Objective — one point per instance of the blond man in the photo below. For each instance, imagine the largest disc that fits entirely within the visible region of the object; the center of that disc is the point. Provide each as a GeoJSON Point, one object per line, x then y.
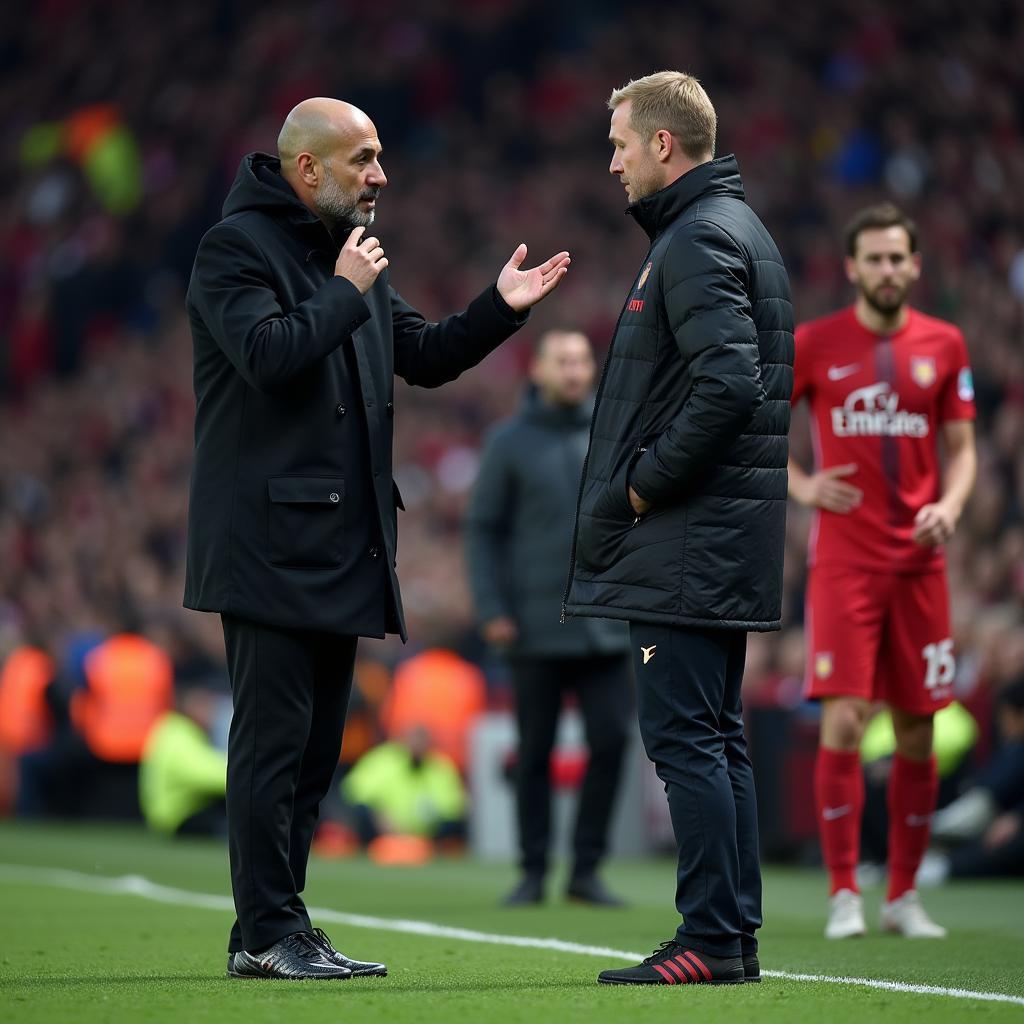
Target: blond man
{"type": "Point", "coordinates": [682, 507]}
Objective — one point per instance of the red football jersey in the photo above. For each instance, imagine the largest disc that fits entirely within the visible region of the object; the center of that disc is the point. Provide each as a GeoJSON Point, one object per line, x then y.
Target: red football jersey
{"type": "Point", "coordinates": [878, 401]}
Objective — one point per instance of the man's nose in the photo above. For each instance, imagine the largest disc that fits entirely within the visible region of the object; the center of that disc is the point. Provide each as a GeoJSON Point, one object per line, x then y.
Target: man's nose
{"type": "Point", "coordinates": [615, 167]}
{"type": "Point", "coordinates": [377, 177]}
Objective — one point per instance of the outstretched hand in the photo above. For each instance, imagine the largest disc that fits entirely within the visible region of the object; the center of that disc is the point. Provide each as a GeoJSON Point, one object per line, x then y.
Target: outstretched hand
{"type": "Point", "coordinates": [522, 289]}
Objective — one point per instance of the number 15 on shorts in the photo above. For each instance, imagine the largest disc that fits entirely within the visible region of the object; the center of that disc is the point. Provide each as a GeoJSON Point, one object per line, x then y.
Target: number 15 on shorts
{"type": "Point", "coordinates": [940, 664]}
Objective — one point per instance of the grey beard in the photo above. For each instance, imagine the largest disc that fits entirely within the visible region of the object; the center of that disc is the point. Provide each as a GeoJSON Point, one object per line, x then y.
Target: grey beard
{"type": "Point", "coordinates": [339, 209]}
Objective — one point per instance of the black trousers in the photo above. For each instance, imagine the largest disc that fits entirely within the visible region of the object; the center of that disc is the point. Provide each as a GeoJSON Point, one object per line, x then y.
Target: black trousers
{"type": "Point", "coordinates": [688, 695]}
{"type": "Point", "coordinates": [605, 696]}
{"type": "Point", "coordinates": [290, 691]}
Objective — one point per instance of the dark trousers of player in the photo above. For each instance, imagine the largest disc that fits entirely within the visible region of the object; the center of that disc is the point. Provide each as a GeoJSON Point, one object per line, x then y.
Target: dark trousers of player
{"type": "Point", "coordinates": [290, 691]}
{"type": "Point", "coordinates": [688, 697]}
{"type": "Point", "coordinates": [605, 695]}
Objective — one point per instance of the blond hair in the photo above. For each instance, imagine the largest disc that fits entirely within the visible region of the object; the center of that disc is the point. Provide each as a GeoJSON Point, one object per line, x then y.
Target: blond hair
{"type": "Point", "coordinates": [675, 102]}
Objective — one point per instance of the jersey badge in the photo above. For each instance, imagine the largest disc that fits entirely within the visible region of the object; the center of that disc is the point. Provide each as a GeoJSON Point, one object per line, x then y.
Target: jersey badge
{"type": "Point", "coordinates": [823, 664]}
{"type": "Point", "coordinates": [965, 385]}
{"type": "Point", "coordinates": [922, 369]}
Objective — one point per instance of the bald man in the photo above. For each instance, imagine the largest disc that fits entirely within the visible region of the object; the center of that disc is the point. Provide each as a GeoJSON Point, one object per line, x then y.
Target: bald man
{"type": "Point", "coordinates": [292, 525]}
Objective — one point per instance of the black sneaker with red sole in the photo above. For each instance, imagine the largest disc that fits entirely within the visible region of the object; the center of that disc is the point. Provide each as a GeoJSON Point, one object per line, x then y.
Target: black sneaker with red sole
{"type": "Point", "coordinates": [673, 964]}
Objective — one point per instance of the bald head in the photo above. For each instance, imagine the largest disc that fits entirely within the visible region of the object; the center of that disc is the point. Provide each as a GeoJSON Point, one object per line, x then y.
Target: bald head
{"type": "Point", "coordinates": [317, 125]}
{"type": "Point", "coordinates": [330, 155]}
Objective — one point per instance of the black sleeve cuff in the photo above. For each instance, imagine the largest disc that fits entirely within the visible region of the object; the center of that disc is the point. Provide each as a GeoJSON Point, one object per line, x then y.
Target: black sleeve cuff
{"type": "Point", "coordinates": [506, 311]}
{"type": "Point", "coordinates": [354, 309]}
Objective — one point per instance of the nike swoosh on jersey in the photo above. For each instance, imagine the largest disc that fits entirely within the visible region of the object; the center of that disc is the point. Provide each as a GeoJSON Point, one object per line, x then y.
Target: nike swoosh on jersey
{"type": "Point", "coordinates": [831, 813]}
{"type": "Point", "coordinates": [841, 372]}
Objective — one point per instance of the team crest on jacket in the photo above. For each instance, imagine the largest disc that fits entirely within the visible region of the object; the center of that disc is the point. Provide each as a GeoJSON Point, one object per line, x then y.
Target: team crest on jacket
{"type": "Point", "coordinates": [922, 369]}
{"type": "Point", "coordinates": [823, 664]}
{"type": "Point", "coordinates": [636, 305]}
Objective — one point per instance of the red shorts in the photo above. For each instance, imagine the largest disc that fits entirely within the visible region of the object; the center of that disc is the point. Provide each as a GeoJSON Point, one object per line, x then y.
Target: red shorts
{"type": "Point", "coordinates": [879, 636]}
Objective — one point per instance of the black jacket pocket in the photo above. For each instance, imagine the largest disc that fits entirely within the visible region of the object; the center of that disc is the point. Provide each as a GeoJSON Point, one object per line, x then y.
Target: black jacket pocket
{"type": "Point", "coordinates": [306, 522]}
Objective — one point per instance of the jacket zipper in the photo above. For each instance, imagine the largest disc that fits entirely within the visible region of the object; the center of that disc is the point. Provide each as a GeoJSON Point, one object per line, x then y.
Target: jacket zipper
{"type": "Point", "coordinates": [590, 438]}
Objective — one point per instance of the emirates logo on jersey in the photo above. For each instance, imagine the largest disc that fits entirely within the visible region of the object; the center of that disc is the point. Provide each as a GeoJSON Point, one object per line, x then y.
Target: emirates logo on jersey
{"type": "Point", "coordinates": [874, 412]}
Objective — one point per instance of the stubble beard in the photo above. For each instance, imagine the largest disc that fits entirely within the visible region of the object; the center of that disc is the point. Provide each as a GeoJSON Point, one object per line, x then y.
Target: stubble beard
{"type": "Point", "coordinates": [646, 181]}
{"type": "Point", "coordinates": [888, 308]}
{"type": "Point", "coordinates": [340, 208]}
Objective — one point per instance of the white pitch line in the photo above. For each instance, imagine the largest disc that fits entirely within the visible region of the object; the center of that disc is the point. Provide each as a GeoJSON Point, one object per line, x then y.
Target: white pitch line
{"type": "Point", "coordinates": [137, 885]}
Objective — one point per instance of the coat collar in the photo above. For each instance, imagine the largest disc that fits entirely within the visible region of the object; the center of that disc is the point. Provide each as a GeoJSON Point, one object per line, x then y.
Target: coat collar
{"type": "Point", "coordinates": [719, 177]}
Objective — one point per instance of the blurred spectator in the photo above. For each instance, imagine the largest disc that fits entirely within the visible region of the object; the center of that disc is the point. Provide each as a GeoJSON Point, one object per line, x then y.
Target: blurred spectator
{"type": "Point", "coordinates": [999, 786]}
{"type": "Point", "coordinates": [182, 775]}
{"type": "Point", "coordinates": [988, 819]}
{"type": "Point", "coordinates": [26, 725]}
{"type": "Point", "coordinates": [407, 788]}
{"type": "Point", "coordinates": [440, 691]}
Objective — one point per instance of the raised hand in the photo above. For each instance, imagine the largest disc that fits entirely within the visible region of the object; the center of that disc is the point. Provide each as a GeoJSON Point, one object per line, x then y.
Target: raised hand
{"type": "Point", "coordinates": [360, 260]}
{"type": "Point", "coordinates": [522, 289]}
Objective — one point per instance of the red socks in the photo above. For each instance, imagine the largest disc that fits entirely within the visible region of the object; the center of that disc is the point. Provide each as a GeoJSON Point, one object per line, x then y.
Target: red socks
{"type": "Point", "coordinates": [839, 795]}
{"type": "Point", "coordinates": [913, 791]}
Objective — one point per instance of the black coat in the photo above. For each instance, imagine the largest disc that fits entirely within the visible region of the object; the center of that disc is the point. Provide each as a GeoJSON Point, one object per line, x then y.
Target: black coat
{"type": "Point", "coordinates": [292, 511]}
{"type": "Point", "coordinates": [693, 411]}
{"type": "Point", "coordinates": [519, 530]}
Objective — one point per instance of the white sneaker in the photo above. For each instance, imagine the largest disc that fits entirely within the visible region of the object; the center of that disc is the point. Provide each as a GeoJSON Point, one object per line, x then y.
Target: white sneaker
{"type": "Point", "coordinates": [845, 916]}
{"type": "Point", "coordinates": [908, 918]}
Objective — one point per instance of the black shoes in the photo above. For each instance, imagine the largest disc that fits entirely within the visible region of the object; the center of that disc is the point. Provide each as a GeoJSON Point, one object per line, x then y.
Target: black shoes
{"type": "Point", "coordinates": [296, 957]}
{"type": "Point", "coordinates": [358, 968]}
{"type": "Point", "coordinates": [590, 889]}
{"type": "Point", "coordinates": [301, 956]}
{"type": "Point", "coordinates": [751, 967]}
{"type": "Point", "coordinates": [672, 964]}
{"type": "Point", "coordinates": [529, 890]}
{"type": "Point", "coordinates": [582, 889]}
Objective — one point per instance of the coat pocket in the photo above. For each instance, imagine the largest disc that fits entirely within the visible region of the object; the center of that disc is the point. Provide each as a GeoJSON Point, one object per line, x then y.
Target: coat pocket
{"type": "Point", "coordinates": [305, 525]}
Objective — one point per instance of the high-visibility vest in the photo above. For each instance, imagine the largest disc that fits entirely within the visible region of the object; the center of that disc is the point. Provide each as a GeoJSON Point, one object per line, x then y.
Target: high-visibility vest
{"type": "Point", "coordinates": [26, 723]}
{"type": "Point", "coordinates": [129, 685]}
{"type": "Point", "coordinates": [441, 691]}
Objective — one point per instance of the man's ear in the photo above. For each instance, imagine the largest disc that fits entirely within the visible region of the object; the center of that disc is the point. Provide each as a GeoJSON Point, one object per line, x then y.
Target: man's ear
{"type": "Point", "coordinates": [663, 145]}
{"type": "Point", "coordinates": [307, 169]}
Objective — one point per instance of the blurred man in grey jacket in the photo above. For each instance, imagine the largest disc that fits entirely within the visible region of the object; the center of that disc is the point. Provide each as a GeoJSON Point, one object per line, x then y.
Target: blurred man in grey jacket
{"type": "Point", "coordinates": [519, 531]}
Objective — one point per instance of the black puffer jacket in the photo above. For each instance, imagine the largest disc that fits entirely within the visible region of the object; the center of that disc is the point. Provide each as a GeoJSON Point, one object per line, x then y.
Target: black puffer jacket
{"type": "Point", "coordinates": [693, 411]}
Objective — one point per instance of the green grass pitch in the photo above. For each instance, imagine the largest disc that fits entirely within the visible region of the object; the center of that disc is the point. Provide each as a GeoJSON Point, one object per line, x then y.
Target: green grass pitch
{"type": "Point", "coordinates": [71, 954]}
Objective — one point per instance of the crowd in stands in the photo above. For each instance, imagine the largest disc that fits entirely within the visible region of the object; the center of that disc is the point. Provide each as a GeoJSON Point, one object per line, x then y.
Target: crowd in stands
{"type": "Point", "coordinates": [122, 132]}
